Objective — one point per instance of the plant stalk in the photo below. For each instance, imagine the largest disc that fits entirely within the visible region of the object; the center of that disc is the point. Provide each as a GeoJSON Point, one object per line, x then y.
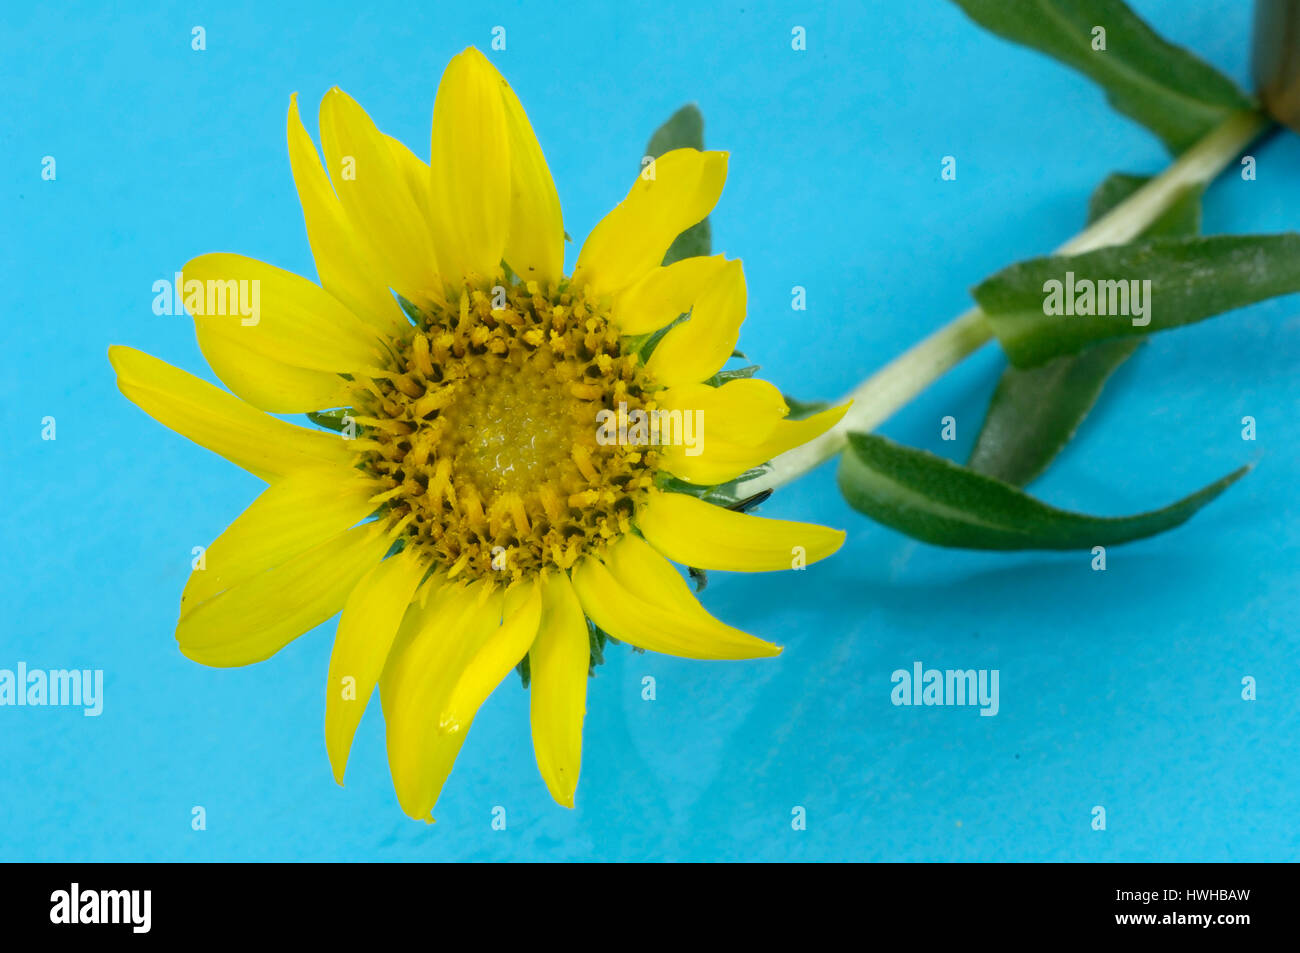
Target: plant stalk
{"type": "Point", "coordinates": [896, 384]}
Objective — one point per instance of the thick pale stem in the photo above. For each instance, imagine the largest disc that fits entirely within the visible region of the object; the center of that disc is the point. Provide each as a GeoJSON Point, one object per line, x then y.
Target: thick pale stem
{"type": "Point", "coordinates": [892, 387]}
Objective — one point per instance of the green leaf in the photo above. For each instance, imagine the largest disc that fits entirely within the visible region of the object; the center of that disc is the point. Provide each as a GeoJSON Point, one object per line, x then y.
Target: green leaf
{"type": "Point", "coordinates": [1035, 411]}
{"type": "Point", "coordinates": [1182, 218]}
{"type": "Point", "coordinates": [1172, 92]}
{"type": "Point", "coordinates": [940, 502]}
{"type": "Point", "coordinates": [1180, 280]}
{"type": "Point", "coordinates": [683, 130]}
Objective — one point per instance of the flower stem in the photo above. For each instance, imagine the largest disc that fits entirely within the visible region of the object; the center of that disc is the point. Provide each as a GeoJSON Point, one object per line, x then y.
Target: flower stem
{"type": "Point", "coordinates": [892, 387]}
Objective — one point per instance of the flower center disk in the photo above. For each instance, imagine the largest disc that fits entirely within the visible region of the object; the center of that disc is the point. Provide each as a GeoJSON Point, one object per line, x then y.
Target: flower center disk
{"type": "Point", "coordinates": [482, 432]}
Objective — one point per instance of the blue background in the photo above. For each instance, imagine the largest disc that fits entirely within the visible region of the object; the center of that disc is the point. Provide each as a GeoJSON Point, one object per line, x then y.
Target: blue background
{"type": "Point", "coordinates": [1118, 688]}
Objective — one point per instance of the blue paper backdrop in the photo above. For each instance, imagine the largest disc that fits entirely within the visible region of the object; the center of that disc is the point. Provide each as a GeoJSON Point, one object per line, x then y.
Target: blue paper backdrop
{"type": "Point", "coordinates": [1119, 688]}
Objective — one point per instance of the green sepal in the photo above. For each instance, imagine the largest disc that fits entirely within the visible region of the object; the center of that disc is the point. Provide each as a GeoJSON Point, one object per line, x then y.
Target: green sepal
{"type": "Point", "coordinates": [331, 419]}
{"type": "Point", "coordinates": [800, 409]}
{"type": "Point", "coordinates": [735, 374]}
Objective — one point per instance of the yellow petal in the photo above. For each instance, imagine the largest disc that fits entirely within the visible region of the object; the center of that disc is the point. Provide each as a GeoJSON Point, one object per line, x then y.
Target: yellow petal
{"type": "Point", "coordinates": [669, 196]}
{"type": "Point", "coordinates": [789, 434]}
{"type": "Point", "coordinates": [366, 632]}
{"type": "Point", "coordinates": [290, 517]}
{"type": "Point", "coordinates": [743, 411]}
{"type": "Point", "coordinates": [422, 670]}
{"type": "Point", "coordinates": [416, 676]}
{"type": "Point", "coordinates": [418, 669]}
{"type": "Point", "coordinates": [437, 679]}
{"type": "Point", "coordinates": [496, 656]}
{"type": "Point", "coordinates": [738, 426]}
{"type": "Point", "coordinates": [651, 578]}
{"type": "Point", "coordinates": [431, 596]}
{"type": "Point", "coordinates": [287, 356]}
{"type": "Point", "coordinates": [664, 624]}
{"type": "Point", "coordinates": [384, 214]}
{"type": "Point", "coordinates": [267, 383]}
{"type": "Point", "coordinates": [415, 172]}
{"type": "Point", "coordinates": [695, 533]}
{"type": "Point", "coordinates": [665, 293]}
{"type": "Point", "coordinates": [255, 619]}
{"type": "Point", "coordinates": [558, 662]}
{"type": "Point", "coordinates": [297, 321]}
{"type": "Point", "coordinates": [344, 264]}
{"type": "Point", "coordinates": [263, 445]}
{"type": "Point", "coordinates": [470, 169]}
{"type": "Point", "coordinates": [697, 348]}
{"type": "Point", "coordinates": [535, 243]}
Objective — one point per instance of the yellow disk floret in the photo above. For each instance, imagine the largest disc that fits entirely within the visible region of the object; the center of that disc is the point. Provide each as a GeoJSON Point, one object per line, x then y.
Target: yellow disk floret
{"type": "Point", "coordinates": [483, 432]}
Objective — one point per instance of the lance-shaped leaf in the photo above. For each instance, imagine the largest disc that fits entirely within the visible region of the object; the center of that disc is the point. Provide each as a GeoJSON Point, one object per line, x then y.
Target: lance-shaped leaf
{"type": "Point", "coordinates": [1035, 411]}
{"type": "Point", "coordinates": [1181, 219]}
{"type": "Point", "coordinates": [1175, 94]}
{"type": "Point", "coordinates": [1039, 309]}
{"type": "Point", "coordinates": [683, 130]}
{"type": "Point", "coordinates": [939, 502]}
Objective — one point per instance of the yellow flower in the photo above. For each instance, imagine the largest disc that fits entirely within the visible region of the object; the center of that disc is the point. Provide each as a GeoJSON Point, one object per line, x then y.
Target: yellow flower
{"type": "Point", "coordinates": [469, 513]}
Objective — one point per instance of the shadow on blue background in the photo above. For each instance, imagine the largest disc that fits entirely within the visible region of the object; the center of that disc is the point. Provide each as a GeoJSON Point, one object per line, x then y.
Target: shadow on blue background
{"type": "Point", "coordinates": [1119, 689]}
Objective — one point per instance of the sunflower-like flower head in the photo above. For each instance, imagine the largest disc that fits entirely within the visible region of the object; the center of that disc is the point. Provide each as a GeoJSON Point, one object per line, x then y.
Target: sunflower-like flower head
{"type": "Point", "coordinates": [503, 477]}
